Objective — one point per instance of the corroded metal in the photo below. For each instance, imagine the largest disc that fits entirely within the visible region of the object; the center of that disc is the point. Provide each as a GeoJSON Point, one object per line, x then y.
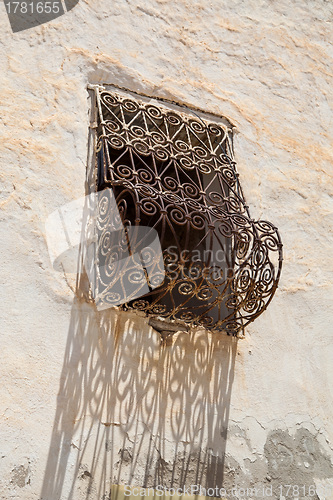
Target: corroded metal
{"type": "Point", "coordinates": [176, 173]}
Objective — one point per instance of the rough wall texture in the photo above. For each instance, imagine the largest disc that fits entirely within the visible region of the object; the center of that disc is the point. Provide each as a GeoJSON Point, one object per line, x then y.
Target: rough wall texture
{"type": "Point", "coordinates": [92, 399]}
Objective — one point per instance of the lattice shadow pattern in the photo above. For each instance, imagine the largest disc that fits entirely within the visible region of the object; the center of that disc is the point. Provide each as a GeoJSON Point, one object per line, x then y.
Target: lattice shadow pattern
{"type": "Point", "coordinates": [176, 174]}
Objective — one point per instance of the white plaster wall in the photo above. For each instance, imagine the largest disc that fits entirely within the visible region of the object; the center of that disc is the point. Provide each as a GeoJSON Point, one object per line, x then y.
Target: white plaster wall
{"type": "Point", "coordinates": [267, 66]}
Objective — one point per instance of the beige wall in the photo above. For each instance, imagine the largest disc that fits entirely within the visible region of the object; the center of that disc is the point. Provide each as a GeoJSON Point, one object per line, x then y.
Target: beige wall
{"type": "Point", "coordinates": [89, 399]}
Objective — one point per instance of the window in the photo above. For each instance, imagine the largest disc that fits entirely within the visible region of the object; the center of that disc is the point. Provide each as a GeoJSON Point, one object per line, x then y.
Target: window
{"type": "Point", "coordinates": [174, 171]}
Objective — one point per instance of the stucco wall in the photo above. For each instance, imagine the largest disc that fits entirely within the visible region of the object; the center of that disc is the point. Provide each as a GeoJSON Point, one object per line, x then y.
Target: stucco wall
{"type": "Point", "coordinates": [89, 399]}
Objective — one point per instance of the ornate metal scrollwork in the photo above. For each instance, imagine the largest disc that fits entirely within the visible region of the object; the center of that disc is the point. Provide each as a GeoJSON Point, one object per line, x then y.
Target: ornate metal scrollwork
{"type": "Point", "coordinates": [176, 174]}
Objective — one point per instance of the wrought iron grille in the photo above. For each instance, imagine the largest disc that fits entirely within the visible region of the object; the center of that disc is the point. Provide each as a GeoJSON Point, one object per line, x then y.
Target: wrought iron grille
{"type": "Point", "coordinates": [176, 173]}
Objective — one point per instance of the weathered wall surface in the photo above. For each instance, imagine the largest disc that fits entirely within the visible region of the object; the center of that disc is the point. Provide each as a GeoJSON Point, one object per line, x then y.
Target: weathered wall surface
{"type": "Point", "coordinates": [92, 399]}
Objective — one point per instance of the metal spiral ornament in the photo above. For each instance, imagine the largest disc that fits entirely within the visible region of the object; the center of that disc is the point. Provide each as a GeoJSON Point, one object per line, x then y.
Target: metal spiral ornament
{"type": "Point", "coordinates": [177, 174]}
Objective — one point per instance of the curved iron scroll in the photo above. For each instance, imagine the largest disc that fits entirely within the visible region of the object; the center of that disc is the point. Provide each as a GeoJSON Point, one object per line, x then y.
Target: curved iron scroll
{"type": "Point", "coordinates": [176, 173]}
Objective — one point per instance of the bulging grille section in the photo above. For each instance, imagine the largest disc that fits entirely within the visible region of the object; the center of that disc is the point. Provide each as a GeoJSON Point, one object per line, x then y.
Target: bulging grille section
{"type": "Point", "coordinates": [175, 172]}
